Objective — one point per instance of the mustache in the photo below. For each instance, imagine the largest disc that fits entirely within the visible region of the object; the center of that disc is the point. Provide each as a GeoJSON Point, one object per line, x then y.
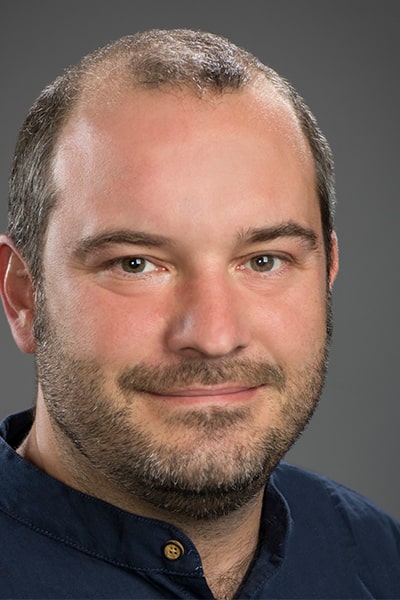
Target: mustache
{"type": "Point", "coordinates": [165, 378]}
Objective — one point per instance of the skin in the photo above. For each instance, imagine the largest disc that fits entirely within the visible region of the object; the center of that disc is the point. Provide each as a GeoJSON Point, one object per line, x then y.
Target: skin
{"type": "Point", "coordinates": [213, 177]}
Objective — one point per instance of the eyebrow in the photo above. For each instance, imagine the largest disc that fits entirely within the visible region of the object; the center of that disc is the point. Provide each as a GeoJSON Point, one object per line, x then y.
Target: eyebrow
{"type": "Point", "coordinates": [283, 230]}
{"type": "Point", "coordinates": [97, 242]}
{"type": "Point", "coordinates": [93, 243]}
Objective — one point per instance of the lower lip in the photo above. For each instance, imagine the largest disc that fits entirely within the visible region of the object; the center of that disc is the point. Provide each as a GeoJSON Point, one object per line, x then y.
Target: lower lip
{"type": "Point", "coordinates": [215, 398]}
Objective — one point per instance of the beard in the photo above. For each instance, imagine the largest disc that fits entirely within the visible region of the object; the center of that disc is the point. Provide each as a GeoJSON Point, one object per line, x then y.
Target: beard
{"type": "Point", "coordinates": [210, 461]}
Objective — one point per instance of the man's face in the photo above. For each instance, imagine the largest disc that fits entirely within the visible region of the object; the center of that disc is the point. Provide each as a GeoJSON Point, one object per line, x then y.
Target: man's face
{"type": "Point", "coordinates": [186, 294]}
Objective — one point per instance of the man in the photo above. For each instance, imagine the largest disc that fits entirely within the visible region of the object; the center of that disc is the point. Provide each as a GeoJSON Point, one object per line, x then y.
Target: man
{"type": "Point", "coordinates": [169, 260]}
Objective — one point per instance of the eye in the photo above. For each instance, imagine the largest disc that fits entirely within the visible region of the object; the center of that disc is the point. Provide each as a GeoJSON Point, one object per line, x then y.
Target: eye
{"type": "Point", "coordinates": [136, 264]}
{"type": "Point", "coordinates": [265, 263]}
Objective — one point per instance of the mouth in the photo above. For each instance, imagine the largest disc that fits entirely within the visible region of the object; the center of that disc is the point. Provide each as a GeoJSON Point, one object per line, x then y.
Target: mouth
{"type": "Point", "coordinates": [209, 395]}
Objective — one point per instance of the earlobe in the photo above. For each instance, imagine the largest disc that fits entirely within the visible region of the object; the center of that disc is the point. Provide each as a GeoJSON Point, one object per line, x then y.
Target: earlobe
{"type": "Point", "coordinates": [334, 264]}
{"type": "Point", "coordinates": [17, 295]}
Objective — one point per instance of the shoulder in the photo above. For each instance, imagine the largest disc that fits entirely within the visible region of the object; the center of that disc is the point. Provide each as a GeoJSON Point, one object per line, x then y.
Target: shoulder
{"type": "Point", "coordinates": [298, 485]}
{"type": "Point", "coordinates": [333, 514]}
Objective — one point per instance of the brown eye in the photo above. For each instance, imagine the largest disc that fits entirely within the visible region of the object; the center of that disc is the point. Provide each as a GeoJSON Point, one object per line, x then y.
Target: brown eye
{"type": "Point", "coordinates": [136, 264]}
{"type": "Point", "coordinates": [264, 263]}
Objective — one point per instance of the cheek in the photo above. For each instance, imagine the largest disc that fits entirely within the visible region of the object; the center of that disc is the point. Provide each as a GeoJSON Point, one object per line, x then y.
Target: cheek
{"type": "Point", "coordinates": [293, 326]}
{"type": "Point", "coordinates": [107, 327]}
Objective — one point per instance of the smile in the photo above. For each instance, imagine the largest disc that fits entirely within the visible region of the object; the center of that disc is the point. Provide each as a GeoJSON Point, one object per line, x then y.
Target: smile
{"type": "Point", "coordinates": [213, 395]}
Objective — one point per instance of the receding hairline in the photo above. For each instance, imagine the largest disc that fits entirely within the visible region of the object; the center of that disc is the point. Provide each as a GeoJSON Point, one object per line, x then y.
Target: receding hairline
{"type": "Point", "coordinates": [177, 61]}
{"type": "Point", "coordinates": [196, 62]}
{"type": "Point", "coordinates": [176, 56]}
{"type": "Point", "coordinates": [109, 84]}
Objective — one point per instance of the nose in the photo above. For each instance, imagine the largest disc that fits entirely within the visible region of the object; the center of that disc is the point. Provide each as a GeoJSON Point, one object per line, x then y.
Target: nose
{"type": "Point", "coordinates": [210, 319]}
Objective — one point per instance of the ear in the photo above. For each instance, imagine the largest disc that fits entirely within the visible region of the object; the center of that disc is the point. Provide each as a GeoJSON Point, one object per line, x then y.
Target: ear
{"type": "Point", "coordinates": [16, 291]}
{"type": "Point", "coordinates": [334, 267]}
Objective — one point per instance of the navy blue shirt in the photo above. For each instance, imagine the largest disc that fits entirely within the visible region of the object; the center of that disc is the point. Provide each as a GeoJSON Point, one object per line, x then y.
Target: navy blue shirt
{"type": "Point", "coordinates": [317, 540]}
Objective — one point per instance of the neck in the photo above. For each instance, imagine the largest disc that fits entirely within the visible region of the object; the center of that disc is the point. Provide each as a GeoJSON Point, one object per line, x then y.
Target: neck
{"type": "Point", "coordinates": [227, 547]}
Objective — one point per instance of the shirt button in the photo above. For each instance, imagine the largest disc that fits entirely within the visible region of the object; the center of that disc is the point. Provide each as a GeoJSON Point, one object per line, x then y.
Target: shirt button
{"type": "Point", "coordinates": [173, 550]}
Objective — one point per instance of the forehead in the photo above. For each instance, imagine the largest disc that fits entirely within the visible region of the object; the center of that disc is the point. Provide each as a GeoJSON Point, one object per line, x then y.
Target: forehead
{"type": "Point", "coordinates": [178, 148]}
{"type": "Point", "coordinates": [153, 116]}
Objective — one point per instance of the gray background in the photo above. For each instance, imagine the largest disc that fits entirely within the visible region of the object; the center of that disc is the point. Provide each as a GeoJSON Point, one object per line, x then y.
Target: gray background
{"type": "Point", "coordinates": [343, 56]}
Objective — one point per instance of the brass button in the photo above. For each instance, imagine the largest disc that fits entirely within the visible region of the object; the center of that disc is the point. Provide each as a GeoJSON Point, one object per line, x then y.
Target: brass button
{"type": "Point", "coordinates": [173, 550]}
